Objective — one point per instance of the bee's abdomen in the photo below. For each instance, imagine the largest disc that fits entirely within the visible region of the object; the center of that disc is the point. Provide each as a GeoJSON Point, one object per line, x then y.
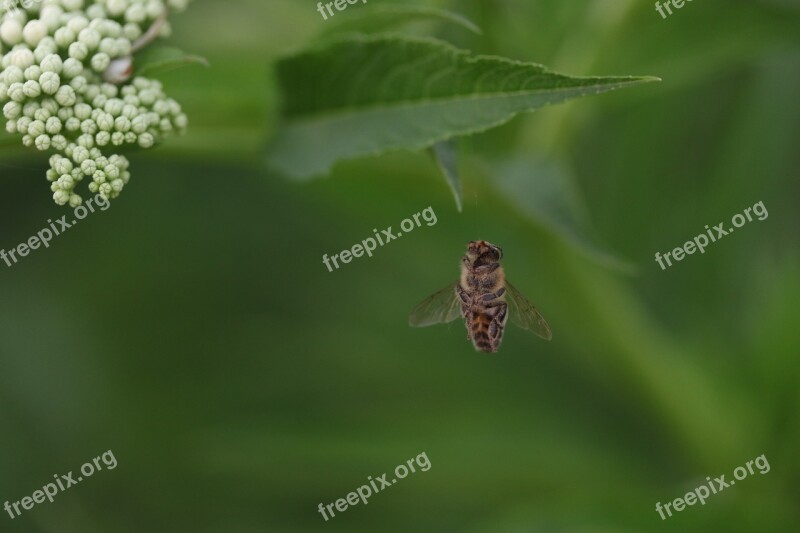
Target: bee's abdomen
{"type": "Point", "coordinates": [485, 332]}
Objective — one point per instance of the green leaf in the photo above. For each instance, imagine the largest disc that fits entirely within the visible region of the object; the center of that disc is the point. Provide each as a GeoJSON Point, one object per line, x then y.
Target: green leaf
{"type": "Point", "coordinates": [545, 191]}
{"type": "Point", "coordinates": [363, 96]}
{"type": "Point", "coordinates": [446, 155]}
{"type": "Point", "coordinates": [154, 60]}
{"type": "Point", "coordinates": [387, 16]}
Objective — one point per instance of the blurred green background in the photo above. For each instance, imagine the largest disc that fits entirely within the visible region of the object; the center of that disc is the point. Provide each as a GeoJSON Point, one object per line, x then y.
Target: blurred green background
{"type": "Point", "coordinates": [193, 329]}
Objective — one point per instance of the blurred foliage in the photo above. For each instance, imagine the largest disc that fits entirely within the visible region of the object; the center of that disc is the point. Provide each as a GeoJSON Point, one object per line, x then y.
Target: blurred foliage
{"type": "Point", "coordinates": [193, 329]}
{"type": "Point", "coordinates": [376, 93]}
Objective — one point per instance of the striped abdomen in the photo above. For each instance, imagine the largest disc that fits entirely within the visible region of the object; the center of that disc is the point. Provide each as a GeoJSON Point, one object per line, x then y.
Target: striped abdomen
{"type": "Point", "coordinates": [485, 326]}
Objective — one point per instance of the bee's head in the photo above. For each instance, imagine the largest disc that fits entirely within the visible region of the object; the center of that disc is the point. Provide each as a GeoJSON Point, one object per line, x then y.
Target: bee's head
{"type": "Point", "coordinates": [484, 250]}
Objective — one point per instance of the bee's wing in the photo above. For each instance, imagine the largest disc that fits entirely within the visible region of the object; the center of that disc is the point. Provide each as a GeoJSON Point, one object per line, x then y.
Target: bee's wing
{"type": "Point", "coordinates": [438, 308]}
{"type": "Point", "coordinates": [525, 315]}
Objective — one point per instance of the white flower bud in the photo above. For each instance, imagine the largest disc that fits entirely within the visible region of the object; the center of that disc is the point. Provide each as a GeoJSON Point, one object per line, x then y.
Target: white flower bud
{"type": "Point", "coordinates": [42, 114]}
{"type": "Point", "coordinates": [53, 126]}
{"type": "Point", "coordinates": [14, 74]}
{"type": "Point", "coordinates": [110, 90]}
{"type": "Point", "coordinates": [50, 82]}
{"type": "Point", "coordinates": [36, 128]}
{"type": "Point", "coordinates": [132, 31]}
{"type": "Point", "coordinates": [12, 110]}
{"type": "Point", "coordinates": [89, 127]}
{"type": "Point", "coordinates": [90, 38]}
{"type": "Point", "coordinates": [32, 89]}
{"type": "Point", "coordinates": [33, 72]}
{"type": "Point", "coordinates": [78, 23]}
{"type": "Point", "coordinates": [88, 167]}
{"type": "Point", "coordinates": [108, 46]}
{"type": "Point", "coordinates": [52, 63]}
{"type": "Point", "coordinates": [11, 31]}
{"type": "Point", "coordinates": [66, 96]}
{"type": "Point", "coordinates": [116, 7]}
{"type": "Point", "coordinates": [147, 97]}
{"type": "Point", "coordinates": [51, 15]}
{"type": "Point", "coordinates": [129, 111]}
{"type": "Point", "coordinates": [42, 142]}
{"type": "Point", "coordinates": [86, 140]}
{"type": "Point", "coordinates": [78, 50]}
{"type": "Point", "coordinates": [34, 31]}
{"type": "Point", "coordinates": [64, 37]}
{"type": "Point", "coordinates": [61, 197]}
{"type": "Point", "coordinates": [146, 140]}
{"type": "Point", "coordinates": [95, 11]}
{"type": "Point", "coordinates": [100, 62]}
{"type": "Point", "coordinates": [79, 154]}
{"type": "Point", "coordinates": [105, 122]}
{"type": "Point", "coordinates": [22, 124]}
{"type": "Point", "coordinates": [66, 182]}
{"type": "Point", "coordinates": [136, 13]}
{"type": "Point", "coordinates": [51, 105]}
{"type": "Point", "coordinates": [98, 102]}
{"type": "Point", "coordinates": [59, 142]}
{"type": "Point", "coordinates": [139, 124]}
{"type": "Point", "coordinates": [122, 124]}
{"type": "Point", "coordinates": [72, 124]}
{"type": "Point", "coordinates": [72, 68]}
{"type": "Point", "coordinates": [79, 84]}
{"type": "Point", "coordinates": [62, 165]}
{"type": "Point", "coordinates": [21, 57]}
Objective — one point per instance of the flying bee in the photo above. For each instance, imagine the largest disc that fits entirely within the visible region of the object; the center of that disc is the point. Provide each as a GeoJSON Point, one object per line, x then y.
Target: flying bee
{"type": "Point", "coordinates": [484, 298]}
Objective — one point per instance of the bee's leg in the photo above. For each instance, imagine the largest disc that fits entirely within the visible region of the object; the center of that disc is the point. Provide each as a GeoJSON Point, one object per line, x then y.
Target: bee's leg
{"type": "Point", "coordinates": [497, 325]}
{"type": "Point", "coordinates": [465, 308]}
{"type": "Point", "coordinates": [468, 317]}
{"type": "Point", "coordinates": [502, 314]}
{"type": "Point", "coordinates": [462, 294]}
{"type": "Point", "coordinates": [490, 297]}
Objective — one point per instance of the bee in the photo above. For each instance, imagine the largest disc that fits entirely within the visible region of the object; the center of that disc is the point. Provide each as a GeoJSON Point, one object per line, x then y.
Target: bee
{"type": "Point", "coordinates": [484, 298]}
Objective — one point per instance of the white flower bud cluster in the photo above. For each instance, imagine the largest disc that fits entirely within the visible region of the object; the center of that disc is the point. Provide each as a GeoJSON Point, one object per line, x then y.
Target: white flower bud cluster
{"type": "Point", "coordinates": [54, 58]}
